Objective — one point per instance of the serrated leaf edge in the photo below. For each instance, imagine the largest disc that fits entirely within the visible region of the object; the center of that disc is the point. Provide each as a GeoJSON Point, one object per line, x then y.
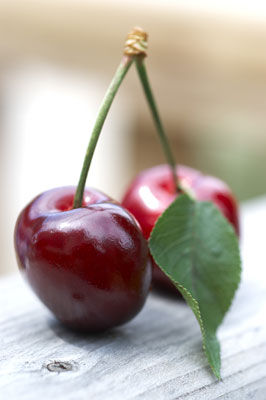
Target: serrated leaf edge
{"type": "Point", "coordinates": [199, 319]}
{"type": "Point", "coordinates": [231, 230]}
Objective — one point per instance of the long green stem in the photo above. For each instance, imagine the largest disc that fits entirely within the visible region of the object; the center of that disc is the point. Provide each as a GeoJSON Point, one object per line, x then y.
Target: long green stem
{"type": "Point", "coordinates": [103, 111]}
{"type": "Point", "coordinates": [155, 114]}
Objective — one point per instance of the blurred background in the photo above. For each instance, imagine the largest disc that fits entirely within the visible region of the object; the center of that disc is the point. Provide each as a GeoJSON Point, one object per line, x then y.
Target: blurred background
{"type": "Point", "coordinates": [207, 65]}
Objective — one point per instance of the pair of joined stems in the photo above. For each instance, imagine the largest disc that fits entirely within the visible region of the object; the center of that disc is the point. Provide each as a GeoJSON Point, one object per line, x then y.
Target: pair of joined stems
{"type": "Point", "coordinates": [103, 111]}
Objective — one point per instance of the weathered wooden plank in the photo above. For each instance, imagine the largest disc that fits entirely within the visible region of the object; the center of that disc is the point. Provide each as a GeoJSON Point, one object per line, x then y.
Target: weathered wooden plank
{"type": "Point", "coordinates": [156, 356]}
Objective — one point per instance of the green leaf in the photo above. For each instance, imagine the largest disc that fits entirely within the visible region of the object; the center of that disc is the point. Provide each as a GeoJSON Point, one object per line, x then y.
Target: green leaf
{"type": "Point", "coordinates": [197, 248]}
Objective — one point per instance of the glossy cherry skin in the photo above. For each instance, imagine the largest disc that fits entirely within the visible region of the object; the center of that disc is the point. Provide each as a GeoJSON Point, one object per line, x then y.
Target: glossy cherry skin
{"type": "Point", "coordinates": [152, 191]}
{"type": "Point", "coordinates": [90, 266]}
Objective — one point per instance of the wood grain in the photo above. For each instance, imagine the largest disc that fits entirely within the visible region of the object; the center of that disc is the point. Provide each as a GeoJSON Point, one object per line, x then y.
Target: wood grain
{"type": "Point", "coordinates": [156, 356]}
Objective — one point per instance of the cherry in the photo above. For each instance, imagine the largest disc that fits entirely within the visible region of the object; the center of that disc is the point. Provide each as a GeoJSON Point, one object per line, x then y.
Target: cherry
{"type": "Point", "coordinates": [90, 265]}
{"type": "Point", "coordinates": [83, 254]}
{"type": "Point", "coordinates": [153, 190]}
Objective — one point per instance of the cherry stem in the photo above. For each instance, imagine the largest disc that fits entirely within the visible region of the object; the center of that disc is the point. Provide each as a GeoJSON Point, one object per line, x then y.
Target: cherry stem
{"type": "Point", "coordinates": [142, 72]}
{"type": "Point", "coordinates": [103, 111]}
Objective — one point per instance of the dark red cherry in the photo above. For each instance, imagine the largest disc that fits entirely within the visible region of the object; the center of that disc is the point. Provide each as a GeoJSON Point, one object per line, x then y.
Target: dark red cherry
{"type": "Point", "coordinates": [152, 191]}
{"type": "Point", "coordinates": [90, 266]}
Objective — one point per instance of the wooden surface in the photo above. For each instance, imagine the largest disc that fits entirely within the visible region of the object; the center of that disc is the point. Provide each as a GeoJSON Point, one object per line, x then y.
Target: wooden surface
{"type": "Point", "coordinates": [156, 356]}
